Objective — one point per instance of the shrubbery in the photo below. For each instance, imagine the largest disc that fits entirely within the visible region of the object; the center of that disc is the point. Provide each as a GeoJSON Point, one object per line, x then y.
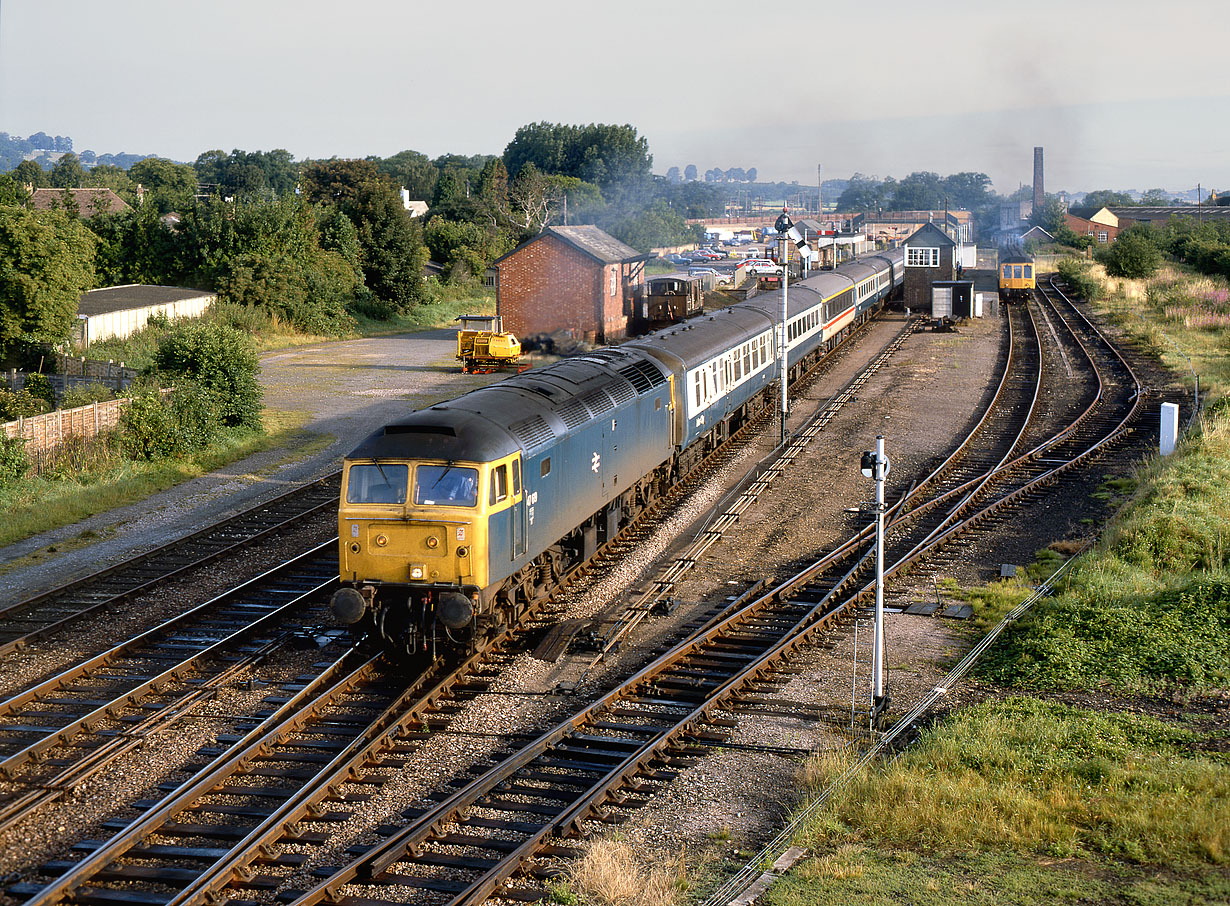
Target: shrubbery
{"type": "Point", "coordinates": [1075, 273]}
{"type": "Point", "coordinates": [84, 394]}
{"type": "Point", "coordinates": [158, 426]}
{"type": "Point", "coordinates": [223, 361]}
{"type": "Point", "coordinates": [14, 463]}
{"type": "Point", "coordinates": [15, 404]}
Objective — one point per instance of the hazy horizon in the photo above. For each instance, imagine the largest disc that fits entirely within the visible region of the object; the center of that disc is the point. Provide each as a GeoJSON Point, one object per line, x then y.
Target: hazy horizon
{"type": "Point", "coordinates": [1116, 95]}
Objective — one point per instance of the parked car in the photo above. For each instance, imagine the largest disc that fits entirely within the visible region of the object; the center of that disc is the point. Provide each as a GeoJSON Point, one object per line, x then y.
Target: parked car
{"type": "Point", "coordinates": [705, 254]}
{"type": "Point", "coordinates": [677, 259]}
{"type": "Point", "coordinates": [720, 278]}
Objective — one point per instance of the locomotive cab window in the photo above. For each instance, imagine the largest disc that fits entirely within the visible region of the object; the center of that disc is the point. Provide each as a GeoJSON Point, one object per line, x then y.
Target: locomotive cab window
{"type": "Point", "coordinates": [1016, 272]}
{"type": "Point", "coordinates": [516, 470]}
{"type": "Point", "coordinates": [445, 486]}
{"type": "Point", "coordinates": [1029, 271]}
{"type": "Point", "coordinates": [377, 483]}
{"type": "Point", "coordinates": [499, 485]}
{"type": "Point", "coordinates": [545, 469]}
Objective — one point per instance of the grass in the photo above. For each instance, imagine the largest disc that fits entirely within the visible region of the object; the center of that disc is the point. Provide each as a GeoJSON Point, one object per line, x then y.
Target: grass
{"type": "Point", "coordinates": [1025, 801]}
{"type": "Point", "coordinates": [38, 504]}
{"type": "Point", "coordinates": [613, 873]}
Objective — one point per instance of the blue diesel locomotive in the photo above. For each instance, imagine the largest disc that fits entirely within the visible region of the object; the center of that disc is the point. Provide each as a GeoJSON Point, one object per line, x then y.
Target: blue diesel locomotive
{"type": "Point", "coordinates": [457, 517]}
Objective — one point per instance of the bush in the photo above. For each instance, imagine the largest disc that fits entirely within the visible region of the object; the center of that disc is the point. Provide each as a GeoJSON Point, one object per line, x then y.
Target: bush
{"type": "Point", "coordinates": [222, 361]}
{"type": "Point", "coordinates": [14, 463]}
{"type": "Point", "coordinates": [1075, 273]}
{"type": "Point", "coordinates": [1133, 255]}
{"type": "Point", "coordinates": [84, 394]}
{"type": "Point", "coordinates": [159, 426]}
{"type": "Point", "coordinates": [39, 386]}
{"type": "Point", "coordinates": [15, 404]}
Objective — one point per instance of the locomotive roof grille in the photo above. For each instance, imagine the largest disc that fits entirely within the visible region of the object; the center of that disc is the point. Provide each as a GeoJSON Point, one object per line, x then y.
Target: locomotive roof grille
{"type": "Point", "coordinates": [598, 401]}
{"type": "Point", "coordinates": [621, 393]}
{"type": "Point", "coordinates": [643, 376]}
{"type": "Point", "coordinates": [573, 413]}
{"type": "Point", "coordinates": [534, 433]}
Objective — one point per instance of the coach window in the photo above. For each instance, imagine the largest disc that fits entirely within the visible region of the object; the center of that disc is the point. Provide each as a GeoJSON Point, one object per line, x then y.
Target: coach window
{"type": "Point", "coordinates": [499, 485]}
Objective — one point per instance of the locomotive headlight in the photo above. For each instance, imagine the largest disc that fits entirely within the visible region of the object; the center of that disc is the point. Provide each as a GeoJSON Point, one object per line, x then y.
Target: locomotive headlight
{"type": "Point", "coordinates": [354, 548]}
{"type": "Point", "coordinates": [417, 571]}
{"type": "Point", "coordinates": [433, 542]}
{"type": "Point", "coordinates": [463, 551]}
{"type": "Point", "coordinates": [381, 540]}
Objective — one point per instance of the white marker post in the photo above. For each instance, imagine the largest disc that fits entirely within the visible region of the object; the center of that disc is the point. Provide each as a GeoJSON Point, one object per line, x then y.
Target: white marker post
{"type": "Point", "coordinates": [783, 226]}
{"type": "Point", "coordinates": [876, 465]}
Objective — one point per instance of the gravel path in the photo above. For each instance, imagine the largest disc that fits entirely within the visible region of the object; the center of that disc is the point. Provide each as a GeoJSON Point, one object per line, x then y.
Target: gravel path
{"type": "Point", "coordinates": [348, 390]}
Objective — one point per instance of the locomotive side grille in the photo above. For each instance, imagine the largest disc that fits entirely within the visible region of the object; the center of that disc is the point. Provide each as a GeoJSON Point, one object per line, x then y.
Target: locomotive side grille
{"type": "Point", "coordinates": [534, 433]}
{"type": "Point", "coordinates": [644, 377]}
{"type": "Point", "coordinates": [573, 413]}
{"type": "Point", "coordinates": [621, 393]}
{"type": "Point", "coordinates": [598, 402]}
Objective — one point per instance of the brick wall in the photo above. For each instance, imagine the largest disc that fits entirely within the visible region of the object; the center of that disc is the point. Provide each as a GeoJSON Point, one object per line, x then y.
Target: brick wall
{"type": "Point", "coordinates": [550, 286]}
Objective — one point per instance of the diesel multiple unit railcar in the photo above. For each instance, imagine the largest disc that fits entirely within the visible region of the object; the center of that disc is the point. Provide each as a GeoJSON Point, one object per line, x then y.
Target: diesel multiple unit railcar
{"type": "Point", "coordinates": [457, 517]}
{"type": "Point", "coordinates": [1016, 277]}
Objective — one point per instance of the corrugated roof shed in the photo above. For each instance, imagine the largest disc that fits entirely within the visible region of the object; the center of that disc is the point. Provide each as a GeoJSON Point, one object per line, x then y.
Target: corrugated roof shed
{"type": "Point", "coordinates": [122, 298]}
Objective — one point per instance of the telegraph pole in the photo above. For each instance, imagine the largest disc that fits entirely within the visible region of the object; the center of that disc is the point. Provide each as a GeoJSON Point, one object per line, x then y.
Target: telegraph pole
{"type": "Point", "coordinates": [876, 465]}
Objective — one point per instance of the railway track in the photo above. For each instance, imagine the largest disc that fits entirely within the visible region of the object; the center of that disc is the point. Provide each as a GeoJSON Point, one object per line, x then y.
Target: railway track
{"type": "Point", "coordinates": [43, 615]}
{"type": "Point", "coordinates": [475, 841]}
{"type": "Point", "coordinates": [55, 734]}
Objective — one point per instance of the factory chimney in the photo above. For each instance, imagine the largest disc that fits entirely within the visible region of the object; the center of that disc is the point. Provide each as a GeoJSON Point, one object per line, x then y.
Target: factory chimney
{"type": "Point", "coordinates": [1039, 193]}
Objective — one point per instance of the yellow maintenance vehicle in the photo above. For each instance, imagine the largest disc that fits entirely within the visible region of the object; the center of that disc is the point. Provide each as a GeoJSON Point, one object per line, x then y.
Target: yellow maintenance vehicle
{"type": "Point", "coordinates": [484, 347]}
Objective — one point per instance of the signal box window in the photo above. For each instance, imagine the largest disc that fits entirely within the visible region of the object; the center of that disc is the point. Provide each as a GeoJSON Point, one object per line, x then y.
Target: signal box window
{"type": "Point", "coordinates": [499, 485]}
{"type": "Point", "coordinates": [384, 483]}
{"type": "Point", "coordinates": [445, 486]}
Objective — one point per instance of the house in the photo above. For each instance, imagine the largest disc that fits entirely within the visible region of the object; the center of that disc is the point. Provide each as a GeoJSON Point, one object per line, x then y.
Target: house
{"type": "Point", "coordinates": [84, 202]}
{"type": "Point", "coordinates": [569, 278]}
{"type": "Point", "coordinates": [1103, 226]}
{"type": "Point", "coordinates": [1037, 234]}
{"type": "Point", "coordinates": [930, 256]}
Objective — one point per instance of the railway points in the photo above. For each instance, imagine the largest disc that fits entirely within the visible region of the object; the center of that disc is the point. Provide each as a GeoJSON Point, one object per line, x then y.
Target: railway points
{"type": "Point", "coordinates": [733, 743]}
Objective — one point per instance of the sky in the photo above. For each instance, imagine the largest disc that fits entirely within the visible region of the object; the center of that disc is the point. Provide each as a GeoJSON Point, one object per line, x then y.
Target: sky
{"type": "Point", "coordinates": [1122, 94]}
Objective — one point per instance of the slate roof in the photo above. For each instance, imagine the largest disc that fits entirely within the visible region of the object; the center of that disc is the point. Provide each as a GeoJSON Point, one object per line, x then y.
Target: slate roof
{"type": "Point", "coordinates": [591, 240]}
{"type": "Point", "coordinates": [123, 298]}
{"type": "Point", "coordinates": [89, 201]}
{"type": "Point", "coordinates": [940, 236]}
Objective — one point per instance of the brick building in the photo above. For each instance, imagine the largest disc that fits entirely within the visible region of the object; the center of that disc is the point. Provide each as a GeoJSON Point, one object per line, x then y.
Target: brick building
{"type": "Point", "coordinates": [1102, 226]}
{"type": "Point", "coordinates": [83, 202]}
{"type": "Point", "coordinates": [573, 278]}
{"type": "Point", "coordinates": [930, 255]}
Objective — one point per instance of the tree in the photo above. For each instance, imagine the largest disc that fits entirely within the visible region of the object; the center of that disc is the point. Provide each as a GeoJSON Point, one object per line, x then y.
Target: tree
{"type": "Point", "coordinates": [67, 173]}
{"type": "Point", "coordinates": [1102, 198]}
{"type": "Point", "coordinates": [393, 252]}
{"type": "Point", "coordinates": [1157, 198]}
{"type": "Point", "coordinates": [1133, 254]}
{"type": "Point", "coordinates": [1050, 215]}
{"type": "Point", "coordinates": [862, 194]}
{"type": "Point", "coordinates": [46, 263]}
{"type": "Point", "coordinates": [412, 171]}
{"type": "Point", "coordinates": [12, 193]}
{"type": "Point", "coordinates": [689, 172]}
{"type": "Point", "coordinates": [29, 173]}
{"type": "Point", "coordinates": [751, 174]}
{"type": "Point", "coordinates": [168, 186]}
{"type": "Point", "coordinates": [613, 158]}
{"type": "Point", "coordinates": [921, 191]}
{"type": "Point", "coordinates": [672, 174]}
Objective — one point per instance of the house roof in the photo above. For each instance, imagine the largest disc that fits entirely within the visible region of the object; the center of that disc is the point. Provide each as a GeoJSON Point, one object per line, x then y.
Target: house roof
{"type": "Point", "coordinates": [940, 236]}
{"type": "Point", "coordinates": [137, 295]}
{"type": "Point", "coordinates": [1036, 232]}
{"type": "Point", "coordinates": [88, 201]}
{"type": "Point", "coordinates": [591, 240]}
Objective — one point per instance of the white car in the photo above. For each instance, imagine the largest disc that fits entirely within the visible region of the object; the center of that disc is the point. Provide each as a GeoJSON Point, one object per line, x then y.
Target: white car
{"type": "Point", "coordinates": [761, 266]}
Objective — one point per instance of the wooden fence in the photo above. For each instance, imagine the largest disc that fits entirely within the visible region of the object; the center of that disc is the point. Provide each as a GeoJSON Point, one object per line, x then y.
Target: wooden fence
{"type": "Point", "coordinates": [46, 432]}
